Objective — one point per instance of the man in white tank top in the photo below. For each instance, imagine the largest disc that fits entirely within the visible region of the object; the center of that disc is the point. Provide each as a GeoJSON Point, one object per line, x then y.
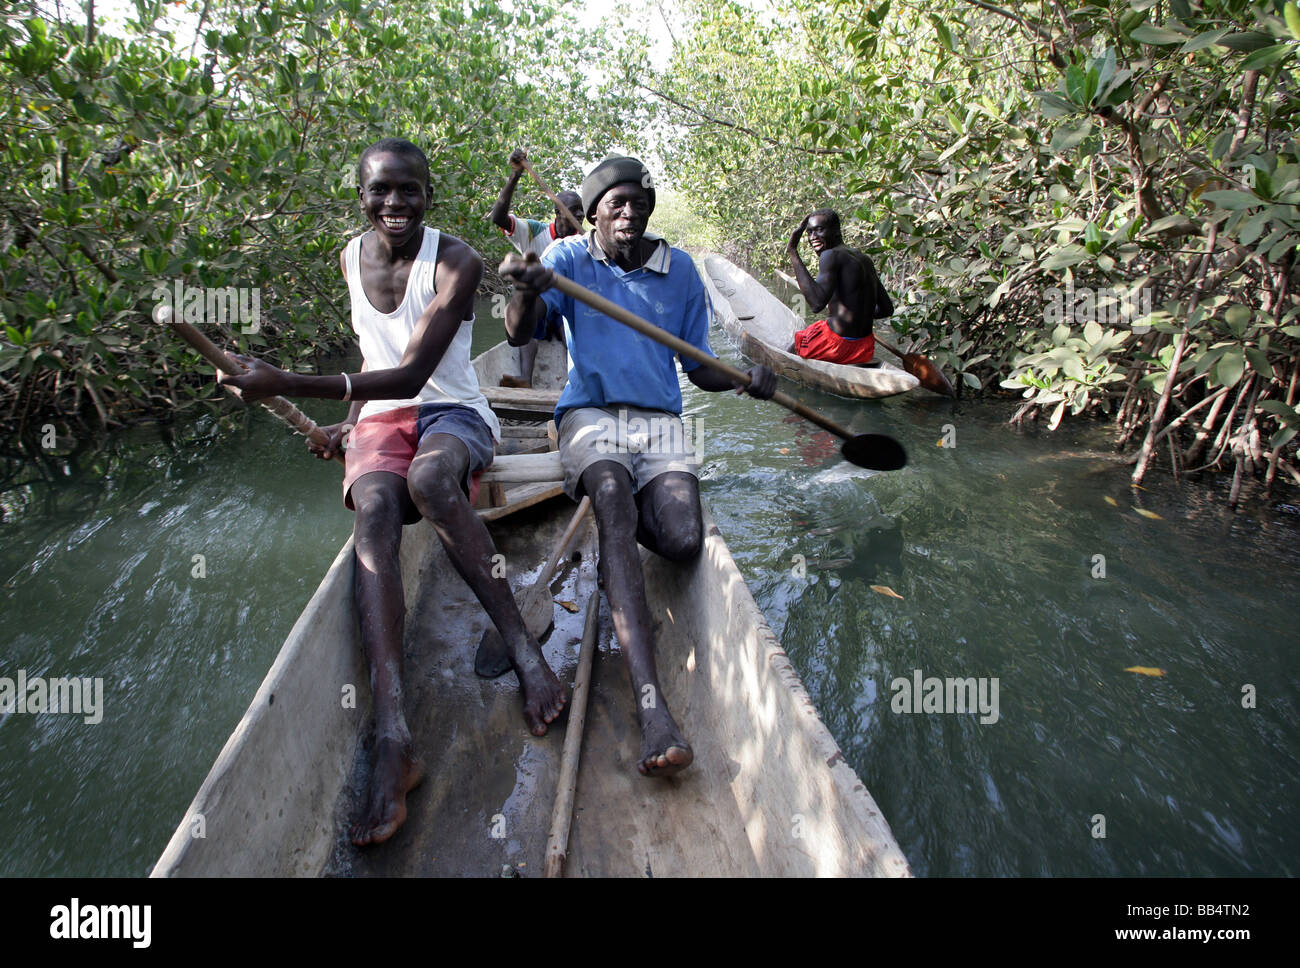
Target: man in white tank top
{"type": "Point", "coordinates": [417, 448]}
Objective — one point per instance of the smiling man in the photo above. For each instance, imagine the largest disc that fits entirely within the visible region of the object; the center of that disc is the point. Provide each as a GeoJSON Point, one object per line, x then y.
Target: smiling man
{"type": "Point", "coordinates": [846, 286]}
{"type": "Point", "coordinates": [621, 437]}
{"type": "Point", "coordinates": [416, 451]}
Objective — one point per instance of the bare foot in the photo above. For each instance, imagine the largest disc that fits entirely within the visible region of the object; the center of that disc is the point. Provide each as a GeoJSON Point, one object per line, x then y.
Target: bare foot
{"type": "Point", "coordinates": [397, 772]}
{"type": "Point", "coordinates": [516, 383]}
{"type": "Point", "coordinates": [664, 751]}
{"type": "Point", "coordinates": [544, 695]}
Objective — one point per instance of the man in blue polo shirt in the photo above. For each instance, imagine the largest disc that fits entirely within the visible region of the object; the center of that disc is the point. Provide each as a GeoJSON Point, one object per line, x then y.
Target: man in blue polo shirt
{"type": "Point", "coordinates": [621, 436]}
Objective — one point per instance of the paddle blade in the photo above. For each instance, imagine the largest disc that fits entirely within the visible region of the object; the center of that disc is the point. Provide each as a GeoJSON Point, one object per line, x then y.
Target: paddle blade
{"type": "Point", "coordinates": [931, 376]}
{"type": "Point", "coordinates": [876, 452]}
{"type": "Point", "coordinates": [491, 659]}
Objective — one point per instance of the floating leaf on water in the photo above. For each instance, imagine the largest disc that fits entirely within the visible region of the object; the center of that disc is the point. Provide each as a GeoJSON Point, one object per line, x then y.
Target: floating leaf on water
{"type": "Point", "coordinates": [886, 591]}
{"type": "Point", "coordinates": [1146, 670]}
{"type": "Point", "coordinates": [1148, 514]}
{"type": "Point", "coordinates": [784, 450]}
{"type": "Point", "coordinates": [1111, 501]}
{"type": "Point", "coordinates": [567, 606]}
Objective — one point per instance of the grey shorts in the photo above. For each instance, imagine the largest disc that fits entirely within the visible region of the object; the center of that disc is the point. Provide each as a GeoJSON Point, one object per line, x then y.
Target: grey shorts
{"type": "Point", "coordinates": [647, 442]}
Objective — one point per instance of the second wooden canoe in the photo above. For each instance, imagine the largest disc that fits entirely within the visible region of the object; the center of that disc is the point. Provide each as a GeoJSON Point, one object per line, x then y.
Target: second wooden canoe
{"type": "Point", "coordinates": [762, 327]}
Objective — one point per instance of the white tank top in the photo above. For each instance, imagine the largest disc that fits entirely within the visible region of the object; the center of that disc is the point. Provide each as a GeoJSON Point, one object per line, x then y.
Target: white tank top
{"type": "Point", "coordinates": [384, 337]}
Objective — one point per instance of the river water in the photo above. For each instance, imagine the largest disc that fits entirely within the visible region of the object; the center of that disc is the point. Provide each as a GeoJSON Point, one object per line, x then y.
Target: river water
{"type": "Point", "coordinates": [173, 569]}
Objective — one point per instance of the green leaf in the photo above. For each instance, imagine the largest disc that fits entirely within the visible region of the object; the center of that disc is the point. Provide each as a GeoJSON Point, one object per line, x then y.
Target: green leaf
{"type": "Point", "coordinates": [1067, 137]}
{"type": "Point", "coordinates": [1053, 105]}
{"type": "Point", "coordinates": [1203, 40]}
{"type": "Point", "coordinates": [1292, 16]}
{"type": "Point", "coordinates": [1249, 40]}
{"type": "Point", "coordinates": [1267, 56]}
{"type": "Point", "coordinates": [1229, 369]}
{"type": "Point", "coordinates": [1234, 201]}
{"type": "Point", "coordinates": [1259, 361]}
{"type": "Point", "coordinates": [1283, 437]}
{"type": "Point", "coordinates": [945, 36]}
{"type": "Point", "coordinates": [1158, 36]}
{"type": "Point", "coordinates": [1237, 316]}
{"type": "Point", "coordinates": [1280, 410]}
{"type": "Point", "coordinates": [1066, 256]}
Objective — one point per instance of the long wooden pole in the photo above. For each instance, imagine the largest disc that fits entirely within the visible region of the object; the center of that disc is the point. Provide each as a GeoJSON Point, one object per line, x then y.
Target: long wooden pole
{"type": "Point", "coordinates": [535, 604]}
{"type": "Point", "coordinates": [551, 195]}
{"type": "Point", "coordinates": [557, 843]}
{"type": "Point", "coordinates": [739, 377]}
{"type": "Point", "coordinates": [279, 406]}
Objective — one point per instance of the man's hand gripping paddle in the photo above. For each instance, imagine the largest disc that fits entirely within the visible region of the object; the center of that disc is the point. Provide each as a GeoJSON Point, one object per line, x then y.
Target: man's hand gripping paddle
{"type": "Point", "coordinates": [878, 452]}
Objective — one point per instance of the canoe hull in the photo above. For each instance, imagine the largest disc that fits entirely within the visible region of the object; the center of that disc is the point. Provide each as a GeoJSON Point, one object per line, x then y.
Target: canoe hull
{"type": "Point", "coordinates": [769, 326]}
{"type": "Point", "coordinates": [768, 794]}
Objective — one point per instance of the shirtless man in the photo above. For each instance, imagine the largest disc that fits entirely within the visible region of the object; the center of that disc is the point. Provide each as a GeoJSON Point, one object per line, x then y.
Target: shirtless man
{"type": "Point", "coordinates": [528, 235]}
{"type": "Point", "coordinates": [416, 449]}
{"type": "Point", "coordinates": [846, 285]}
{"type": "Point", "coordinates": [642, 490]}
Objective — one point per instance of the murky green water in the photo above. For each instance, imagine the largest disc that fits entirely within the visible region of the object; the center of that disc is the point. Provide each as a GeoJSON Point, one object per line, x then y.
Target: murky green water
{"type": "Point", "coordinates": [990, 543]}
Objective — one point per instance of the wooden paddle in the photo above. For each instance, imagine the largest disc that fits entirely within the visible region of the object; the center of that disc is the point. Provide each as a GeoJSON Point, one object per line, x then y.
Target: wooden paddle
{"type": "Point", "coordinates": [875, 451]}
{"type": "Point", "coordinates": [923, 369]}
{"type": "Point", "coordinates": [557, 842]}
{"type": "Point", "coordinates": [919, 366]}
{"type": "Point", "coordinates": [279, 406]}
{"type": "Point", "coordinates": [535, 604]}
{"type": "Point", "coordinates": [548, 193]}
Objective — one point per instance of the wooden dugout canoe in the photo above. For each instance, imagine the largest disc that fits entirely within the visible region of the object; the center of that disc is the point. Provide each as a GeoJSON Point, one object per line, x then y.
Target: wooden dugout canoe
{"type": "Point", "coordinates": [768, 794]}
{"type": "Point", "coordinates": [762, 327]}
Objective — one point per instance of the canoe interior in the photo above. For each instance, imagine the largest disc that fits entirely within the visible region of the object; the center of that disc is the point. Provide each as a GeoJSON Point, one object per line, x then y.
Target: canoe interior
{"type": "Point", "coordinates": [763, 327]}
{"type": "Point", "coordinates": [768, 794]}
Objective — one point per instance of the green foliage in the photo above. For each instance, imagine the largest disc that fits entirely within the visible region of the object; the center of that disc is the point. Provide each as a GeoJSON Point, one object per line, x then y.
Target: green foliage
{"type": "Point", "coordinates": [137, 161]}
{"type": "Point", "coordinates": [988, 154]}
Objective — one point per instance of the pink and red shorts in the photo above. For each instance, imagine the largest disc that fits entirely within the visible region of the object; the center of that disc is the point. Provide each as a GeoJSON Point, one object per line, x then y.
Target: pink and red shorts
{"type": "Point", "coordinates": [820, 342]}
{"type": "Point", "coordinates": [389, 441]}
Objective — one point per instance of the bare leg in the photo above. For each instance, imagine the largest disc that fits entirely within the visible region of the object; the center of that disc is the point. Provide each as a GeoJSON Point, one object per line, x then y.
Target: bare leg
{"type": "Point", "coordinates": [381, 502]}
{"type": "Point", "coordinates": [664, 750]}
{"type": "Point", "coordinates": [670, 523]}
{"type": "Point", "coordinates": [434, 482]}
{"type": "Point", "coordinates": [527, 359]}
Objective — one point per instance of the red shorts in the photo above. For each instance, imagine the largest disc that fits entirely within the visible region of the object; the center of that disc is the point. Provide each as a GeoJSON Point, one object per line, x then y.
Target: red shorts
{"type": "Point", "coordinates": [820, 342]}
{"type": "Point", "coordinates": [388, 442]}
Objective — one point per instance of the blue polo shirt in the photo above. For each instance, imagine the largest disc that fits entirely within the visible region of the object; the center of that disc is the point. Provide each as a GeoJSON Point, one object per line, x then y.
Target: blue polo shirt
{"type": "Point", "coordinates": [611, 363]}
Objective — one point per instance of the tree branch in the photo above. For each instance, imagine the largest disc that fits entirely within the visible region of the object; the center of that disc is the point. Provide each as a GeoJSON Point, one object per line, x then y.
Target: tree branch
{"type": "Point", "coordinates": [740, 127]}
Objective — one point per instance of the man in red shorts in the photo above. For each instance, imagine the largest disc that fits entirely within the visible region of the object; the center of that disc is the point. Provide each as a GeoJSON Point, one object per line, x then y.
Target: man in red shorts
{"type": "Point", "coordinates": [846, 286]}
